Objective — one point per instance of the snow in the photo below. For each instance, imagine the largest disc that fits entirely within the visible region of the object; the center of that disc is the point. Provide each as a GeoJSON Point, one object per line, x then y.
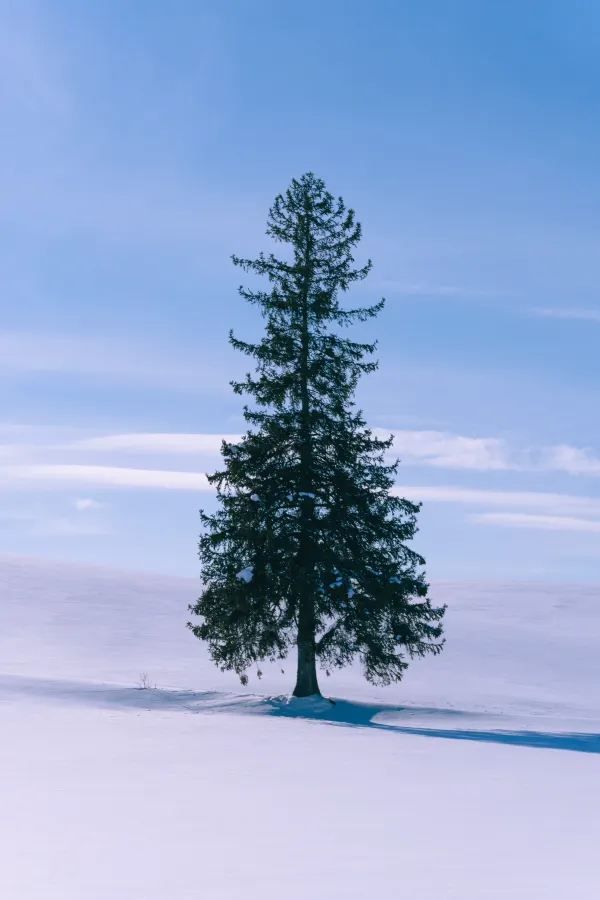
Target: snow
{"type": "Point", "coordinates": [255, 498]}
{"type": "Point", "coordinates": [246, 574]}
{"type": "Point", "coordinates": [476, 778]}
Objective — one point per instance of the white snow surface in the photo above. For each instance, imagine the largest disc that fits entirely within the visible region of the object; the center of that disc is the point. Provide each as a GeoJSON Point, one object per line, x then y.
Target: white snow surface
{"type": "Point", "coordinates": [477, 777]}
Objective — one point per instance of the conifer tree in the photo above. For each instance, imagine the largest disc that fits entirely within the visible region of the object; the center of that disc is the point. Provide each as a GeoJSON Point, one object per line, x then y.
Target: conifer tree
{"type": "Point", "coordinates": [308, 545]}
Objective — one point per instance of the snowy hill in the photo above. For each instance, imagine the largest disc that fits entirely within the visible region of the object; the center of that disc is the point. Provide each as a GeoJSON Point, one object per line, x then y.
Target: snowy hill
{"type": "Point", "coordinates": [455, 784]}
{"type": "Point", "coordinates": [511, 648]}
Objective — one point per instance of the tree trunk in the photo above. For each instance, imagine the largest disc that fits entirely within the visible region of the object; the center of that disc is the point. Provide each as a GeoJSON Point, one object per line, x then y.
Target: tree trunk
{"type": "Point", "coordinates": [306, 679]}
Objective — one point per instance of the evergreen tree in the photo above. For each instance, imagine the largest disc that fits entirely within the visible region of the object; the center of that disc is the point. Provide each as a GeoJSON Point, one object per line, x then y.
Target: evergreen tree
{"type": "Point", "coordinates": [309, 543]}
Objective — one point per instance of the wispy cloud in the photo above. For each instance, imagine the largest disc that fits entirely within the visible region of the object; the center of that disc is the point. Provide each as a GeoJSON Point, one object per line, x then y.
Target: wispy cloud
{"type": "Point", "coordinates": [454, 451]}
{"type": "Point", "coordinates": [103, 476]}
{"type": "Point", "coordinates": [451, 451]}
{"type": "Point", "coordinates": [49, 475]}
{"type": "Point", "coordinates": [540, 522]}
{"type": "Point", "coordinates": [572, 504]}
{"type": "Point", "coordinates": [435, 289]}
{"type": "Point", "coordinates": [428, 448]}
{"type": "Point", "coordinates": [418, 448]}
{"type": "Point", "coordinates": [582, 315]}
{"type": "Point", "coordinates": [83, 504]}
{"type": "Point", "coordinates": [157, 442]}
{"type": "Point", "coordinates": [114, 461]}
{"type": "Point", "coordinates": [572, 460]}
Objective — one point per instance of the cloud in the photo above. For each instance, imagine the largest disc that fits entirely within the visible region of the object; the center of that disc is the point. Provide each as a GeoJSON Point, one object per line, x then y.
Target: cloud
{"type": "Point", "coordinates": [158, 442]}
{"type": "Point", "coordinates": [529, 500]}
{"type": "Point", "coordinates": [452, 451]}
{"type": "Point", "coordinates": [581, 315]}
{"type": "Point", "coordinates": [425, 289]}
{"type": "Point", "coordinates": [540, 522]}
{"type": "Point", "coordinates": [76, 462]}
{"type": "Point", "coordinates": [105, 476]}
{"type": "Point", "coordinates": [430, 448]}
{"type": "Point", "coordinates": [165, 479]}
{"type": "Point", "coordinates": [572, 460]}
{"type": "Point", "coordinates": [83, 504]}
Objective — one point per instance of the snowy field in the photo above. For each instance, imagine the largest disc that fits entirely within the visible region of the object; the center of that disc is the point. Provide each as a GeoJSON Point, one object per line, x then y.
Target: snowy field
{"type": "Point", "coordinates": [477, 777]}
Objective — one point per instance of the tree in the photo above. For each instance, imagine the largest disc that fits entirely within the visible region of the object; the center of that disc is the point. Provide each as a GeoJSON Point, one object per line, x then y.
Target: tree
{"type": "Point", "coordinates": [308, 545]}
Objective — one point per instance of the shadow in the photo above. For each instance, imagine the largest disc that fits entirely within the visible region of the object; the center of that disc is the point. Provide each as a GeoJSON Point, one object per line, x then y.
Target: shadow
{"type": "Point", "coordinates": [361, 715]}
{"type": "Point", "coordinates": [581, 742]}
{"type": "Point", "coordinates": [341, 713]}
{"type": "Point", "coordinates": [109, 696]}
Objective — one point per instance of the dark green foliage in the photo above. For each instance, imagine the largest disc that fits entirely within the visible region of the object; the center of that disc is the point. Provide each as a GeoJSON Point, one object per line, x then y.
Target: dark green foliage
{"type": "Point", "coordinates": [309, 543]}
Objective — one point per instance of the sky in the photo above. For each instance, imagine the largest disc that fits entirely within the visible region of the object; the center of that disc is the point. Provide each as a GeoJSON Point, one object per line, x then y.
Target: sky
{"type": "Point", "coordinates": [142, 144]}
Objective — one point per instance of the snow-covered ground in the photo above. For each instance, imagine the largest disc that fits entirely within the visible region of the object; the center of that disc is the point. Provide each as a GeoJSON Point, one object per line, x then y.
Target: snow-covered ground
{"type": "Point", "coordinates": [477, 777]}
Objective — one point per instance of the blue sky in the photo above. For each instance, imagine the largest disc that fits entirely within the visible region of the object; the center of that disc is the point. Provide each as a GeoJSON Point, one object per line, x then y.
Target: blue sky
{"type": "Point", "coordinates": [142, 143]}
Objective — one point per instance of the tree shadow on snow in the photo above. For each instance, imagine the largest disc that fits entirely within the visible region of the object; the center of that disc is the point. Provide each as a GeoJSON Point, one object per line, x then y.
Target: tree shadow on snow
{"type": "Point", "coordinates": [391, 718]}
{"type": "Point", "coordinates": [351, 714]}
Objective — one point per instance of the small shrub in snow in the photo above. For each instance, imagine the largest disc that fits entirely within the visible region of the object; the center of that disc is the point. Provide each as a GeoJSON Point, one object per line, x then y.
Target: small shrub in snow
{"type": "Point", "coordinates": [144, 683]}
